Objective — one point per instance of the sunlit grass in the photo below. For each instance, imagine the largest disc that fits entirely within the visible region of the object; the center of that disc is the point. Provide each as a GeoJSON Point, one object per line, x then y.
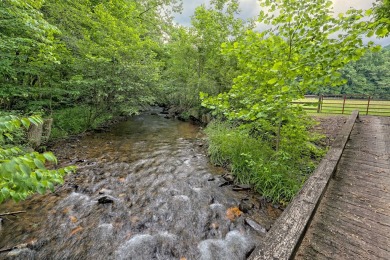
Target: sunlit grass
{"type": "Point", "coordinates": [335, 106]}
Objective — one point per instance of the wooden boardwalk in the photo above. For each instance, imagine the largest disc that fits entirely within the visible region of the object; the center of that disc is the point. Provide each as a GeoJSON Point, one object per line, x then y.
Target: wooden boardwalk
{"type": "Point", "coordinates": [353, 218]}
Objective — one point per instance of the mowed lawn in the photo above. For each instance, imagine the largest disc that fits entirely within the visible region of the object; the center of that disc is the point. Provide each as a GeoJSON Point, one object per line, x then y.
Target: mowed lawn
{"type": "Point", "coordinates": [335, 106]}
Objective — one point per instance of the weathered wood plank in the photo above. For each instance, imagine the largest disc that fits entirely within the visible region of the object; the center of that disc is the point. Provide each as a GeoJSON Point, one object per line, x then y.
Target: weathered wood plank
{"type": "Point", "coordinates": [354, 216]}
{"type": "Point", "coordinates": [350, 241]}
{"type": "Point", "coordinates": [282, 240]}
{"type": "Point", "coordinates": [331, 248]}
{"type": "Point", "coordinates": [363, 224]}
{"type": "Point", "coordinates": [380, 165]}
{"type": "Point", "coordinates": [359, 197]}
{"type": "Point", "coordinates": [366, 187]}
{"type": "Point", "coordinates": [342, 202]}
{"type": "Point", "coordinates": [368, 173]}
{"type": "Point", "coordinates": [334, 248]}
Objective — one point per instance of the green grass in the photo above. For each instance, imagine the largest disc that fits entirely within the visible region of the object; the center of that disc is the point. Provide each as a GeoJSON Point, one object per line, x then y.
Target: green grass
{"type": "Point", "coordinates": [335, 106]}
{"type": "Point", "coordinates": [276, 175]}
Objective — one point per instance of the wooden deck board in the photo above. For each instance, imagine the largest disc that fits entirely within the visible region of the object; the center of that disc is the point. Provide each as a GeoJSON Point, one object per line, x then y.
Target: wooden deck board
{"type": "Point", "coordinates": [353, 219]}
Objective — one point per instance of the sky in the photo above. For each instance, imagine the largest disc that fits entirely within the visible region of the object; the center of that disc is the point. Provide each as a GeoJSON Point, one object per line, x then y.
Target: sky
{"type": "Point", "coordinates": [251, 8]}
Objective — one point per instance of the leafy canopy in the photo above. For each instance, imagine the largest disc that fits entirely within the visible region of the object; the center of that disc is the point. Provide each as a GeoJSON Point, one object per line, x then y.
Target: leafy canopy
{"type": "Point", "coordinates": [382, 16]}
{"type": "Point", "coordinates": [304, 49]}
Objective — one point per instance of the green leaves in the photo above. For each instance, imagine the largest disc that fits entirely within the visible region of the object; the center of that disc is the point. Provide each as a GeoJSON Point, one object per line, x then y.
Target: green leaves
{"type": "Point", "coordinates": [299, 54]}
{"type": "Point", "coordinates": [381, 13]}
{"type": "Point", "coordinates": [272, 81]}
{"type": "Point", "coordinates": [104, 56]}
{"type": "Point", "coordinates": [277, 65]}
{"type": "Point", "coordinates": [23, 173]}
{"type": "Point", "coordinates": [382, 32]}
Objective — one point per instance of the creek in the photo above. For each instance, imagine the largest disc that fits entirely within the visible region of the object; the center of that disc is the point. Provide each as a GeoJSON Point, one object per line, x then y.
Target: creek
{"type": "Point", "coordinates": [144, 190]}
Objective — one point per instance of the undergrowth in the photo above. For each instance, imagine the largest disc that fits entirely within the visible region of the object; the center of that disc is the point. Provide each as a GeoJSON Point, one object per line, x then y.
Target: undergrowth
{"type": "Point", "coordinates": [277, 175]}
{"type": "Point", "coordinates": [76, 120]}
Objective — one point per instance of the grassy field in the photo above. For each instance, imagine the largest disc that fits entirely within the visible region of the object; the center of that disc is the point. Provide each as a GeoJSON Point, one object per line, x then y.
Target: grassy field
{"type": "Point", "coordinates": [335, 106]}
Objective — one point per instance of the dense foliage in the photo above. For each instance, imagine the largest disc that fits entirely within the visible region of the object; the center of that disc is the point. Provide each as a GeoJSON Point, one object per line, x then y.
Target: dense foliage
{"type": "Point", "coordinates": [194, 61]}
{"type": "Point", "coordinates": [88, 59]}
{"type": "Point", "coordinates": [23, 171]}
{"type": "Point", "coordinates": [298, 54]}
{"type": "Point", "coordinates": [84, 62]}
{"type": "Point", "coordinates": [368, 76]}
{"type": "Point", "coordinates": [382, 15]}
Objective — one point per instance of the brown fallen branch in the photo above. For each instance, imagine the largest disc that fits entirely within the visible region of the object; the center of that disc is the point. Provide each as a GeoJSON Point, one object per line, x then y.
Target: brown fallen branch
{"type": "Point", "coordinates": [29, 245]}
{"type": "Point", "coordinates": [11, 213]}
{"type": "Point", "coordinates": [21, 246]}
{"type": "Point", "coordinates": [7, 249]}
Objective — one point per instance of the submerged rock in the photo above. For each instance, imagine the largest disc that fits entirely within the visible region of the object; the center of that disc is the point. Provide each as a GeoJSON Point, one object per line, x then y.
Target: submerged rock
{"type": "Point", "coordinates": [234, 246]}
{"type": "Point", "coordinates": [105, 191]}
{"type": "Point", "coordinates": [228, 177]}
{"type": "Point", "coordinates": [256, 226]}
{"type": "Point", "coordinates": [105, 200]}
{"type": "Point", "coordinates": [245, 206]}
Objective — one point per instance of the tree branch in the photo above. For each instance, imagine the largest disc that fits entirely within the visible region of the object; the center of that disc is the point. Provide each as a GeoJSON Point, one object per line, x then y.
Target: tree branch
{"type": "Point", "coordinates": [150, 8]}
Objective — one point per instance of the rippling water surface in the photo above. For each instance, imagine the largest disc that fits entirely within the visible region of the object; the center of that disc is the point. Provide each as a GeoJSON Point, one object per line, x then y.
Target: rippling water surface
{"type": "Point", "coordinates": [144, 190]}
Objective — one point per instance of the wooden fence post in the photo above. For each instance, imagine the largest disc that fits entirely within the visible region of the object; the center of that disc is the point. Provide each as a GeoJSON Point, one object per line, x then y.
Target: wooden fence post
{"type": "Point", "coordinates": [345, 97]}
{"type": "Point", "coordinates": [319, 103]}
{"type": "Point", "coordinates": [368, 104]}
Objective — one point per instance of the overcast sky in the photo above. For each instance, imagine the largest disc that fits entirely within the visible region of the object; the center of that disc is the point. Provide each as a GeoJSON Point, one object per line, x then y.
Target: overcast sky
{"type": "Point", "coordinates": [251, 8]}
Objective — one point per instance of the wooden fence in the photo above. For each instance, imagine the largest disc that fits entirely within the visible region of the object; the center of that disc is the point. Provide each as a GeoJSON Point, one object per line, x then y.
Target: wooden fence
{"type": "Point", "coordinates": [345, 104]}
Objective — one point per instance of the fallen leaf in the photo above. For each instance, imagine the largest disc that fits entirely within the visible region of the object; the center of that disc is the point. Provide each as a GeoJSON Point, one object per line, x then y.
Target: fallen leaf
{"type": "Point", "coordinates": [66, 210]}
{"type": "Point", "coordinates": [233, 213]}
{"type": "Point", "coordinates": [74, 231]}
{"type": "Point", "coordinates": [73, 219]}
{"type": "Point", "coordinates": [122, 179]}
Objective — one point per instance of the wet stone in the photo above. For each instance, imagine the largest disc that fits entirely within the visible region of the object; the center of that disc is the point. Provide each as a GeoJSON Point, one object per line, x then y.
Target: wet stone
{"type": "Point", "coordinates": [241, 187]}
{"type": "Point", "coordinates": [245, 206]}
{"type": "Point", "coordinates": [105, 200]}
{"type": "Point", "coordinates": [256, 226]}
{"type": "Point", "coordinates": [226, 183]}
{"type": "Point", "coordinates": [228, 177]}
{"type": "Point", "coordinates": [105, 191]}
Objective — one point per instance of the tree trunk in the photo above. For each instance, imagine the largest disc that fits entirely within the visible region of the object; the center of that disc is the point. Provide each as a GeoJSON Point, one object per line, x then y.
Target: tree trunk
{"type": "Point", "coordinates": [34, 135]}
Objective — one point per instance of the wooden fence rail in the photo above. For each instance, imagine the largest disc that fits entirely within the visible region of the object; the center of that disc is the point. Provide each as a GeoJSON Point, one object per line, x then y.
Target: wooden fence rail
{"type": "Point", "coordinates": [344, 104]}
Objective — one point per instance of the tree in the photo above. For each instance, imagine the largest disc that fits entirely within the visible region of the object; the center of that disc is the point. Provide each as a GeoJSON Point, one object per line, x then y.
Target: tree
{"type": "Point", "coordinates": [91, 59]}
{"type": "Point", "coordinates": [285, 62]}
{"type": "Point", "coordinates": [27, 48]}
{"type": "Point", "coordinates": [368, 76]}
{"type": "Point", "coordinates": [23, 172]}
{"type": "Point", "coordinates": [304, 49]}
{"type": "Point", "coordinates": [194, 61]}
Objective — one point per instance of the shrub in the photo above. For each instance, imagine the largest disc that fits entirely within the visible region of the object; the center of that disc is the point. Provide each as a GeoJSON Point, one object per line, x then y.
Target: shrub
{"type": "Point", "coordinates": [22, 171]}
{"type": "Point", "coordinates": [75, 120]}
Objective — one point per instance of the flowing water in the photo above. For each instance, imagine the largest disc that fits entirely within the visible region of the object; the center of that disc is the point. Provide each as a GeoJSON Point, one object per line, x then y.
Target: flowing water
{"type": "Point", "coordinates": [143, 190]}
